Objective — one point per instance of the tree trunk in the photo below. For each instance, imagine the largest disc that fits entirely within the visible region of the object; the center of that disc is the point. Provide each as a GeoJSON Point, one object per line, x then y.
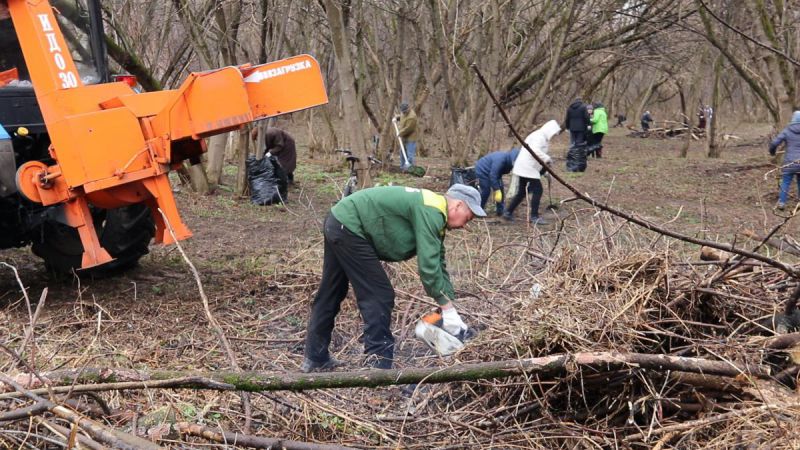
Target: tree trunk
{"type": "Point", "coordinates": [197, 175]}
{"type": "Point", "coordinates": [242, 152]}
{"type": "Point", "coordinates": [216, 158]}
{"type": "Point", "coordinates": [387, 141]}
{"type": "Point", "coordinates": [566, 24]}
{"type": "Point", "coordinates": [713, 149]}
{"type": "Point", "coordinates": [347, 83]}
{"type": "Point", "coordinates": [742, 67]}
{"type": "Point", "coordinates": [641, 107]}
{"type": "Point", "coordinates": [687, 120]}
{"type": "Point", "coordinates": [450, 125]}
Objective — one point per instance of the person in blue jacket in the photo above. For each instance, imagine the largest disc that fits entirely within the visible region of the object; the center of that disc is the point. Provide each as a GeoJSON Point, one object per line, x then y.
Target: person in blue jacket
{"type": "Point", "coordinates": [490, 170]}
{"type": "Point", "coordinates": [791, 160]}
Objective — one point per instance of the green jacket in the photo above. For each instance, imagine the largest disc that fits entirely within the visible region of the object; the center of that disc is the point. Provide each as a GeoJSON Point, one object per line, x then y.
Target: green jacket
{"type": "Point", "coordinates": [599, 121]}
{"type": "Point", "coordinates": [407, 127]}
{"type": "Point", "coordinates": [401, 222]}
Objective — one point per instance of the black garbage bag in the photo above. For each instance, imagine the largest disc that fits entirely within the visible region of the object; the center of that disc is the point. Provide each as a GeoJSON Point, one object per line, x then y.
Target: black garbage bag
{"type": "Point", "coordinates": [595, 150]}
{"type": "Point", "coordinates": [268, 181]}
{"type": "Point", "coordinates": [576, 158]}
{"type": "Point", "coordinates": [463, 175]}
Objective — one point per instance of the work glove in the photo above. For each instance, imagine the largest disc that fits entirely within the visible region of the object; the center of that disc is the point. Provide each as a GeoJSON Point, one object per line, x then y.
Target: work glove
{"type": "Point", "coordinates": [498, 196]}
{"type": "Point", "coordinates": [452, 323]}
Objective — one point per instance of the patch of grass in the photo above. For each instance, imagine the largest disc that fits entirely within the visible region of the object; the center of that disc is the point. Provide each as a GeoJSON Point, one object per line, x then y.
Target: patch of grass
{"type": "Point", "coordinates": [573, 175]}
{"type": "Point", "coordinates": [390, 178]}
{"type": "Point", "coordinates": [187, 410]}
{"type": "Point", "coordinates": [330, 189]}
{"type": "Point", "coordinates": [330, 421]}
{"type": "Point", "coordinates": [294, 321]}
{"type": "Point", "coordinates": [319, 174]}
{"type": "Point", "coordinates": [230, 170]}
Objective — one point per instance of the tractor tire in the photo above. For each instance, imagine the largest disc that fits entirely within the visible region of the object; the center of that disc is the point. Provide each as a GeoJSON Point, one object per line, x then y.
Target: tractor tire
{"type": "Point", "coordinates": [124, 232]}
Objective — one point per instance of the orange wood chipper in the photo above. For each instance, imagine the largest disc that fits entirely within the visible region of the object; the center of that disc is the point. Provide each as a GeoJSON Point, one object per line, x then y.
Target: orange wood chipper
{"type": "Point", "coordinates": [109, 146]}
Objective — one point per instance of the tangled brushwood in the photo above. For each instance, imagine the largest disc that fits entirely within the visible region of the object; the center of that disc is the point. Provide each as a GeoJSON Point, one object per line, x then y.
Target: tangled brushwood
{"type": "Point", "coordinates": [604, 296]}
{"type": "Point", "coordinates": [607, 298]}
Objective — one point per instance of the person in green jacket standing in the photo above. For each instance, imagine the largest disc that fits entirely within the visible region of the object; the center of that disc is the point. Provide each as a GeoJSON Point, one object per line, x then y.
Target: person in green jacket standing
{"type": "Point", "coordinates": [409, 133]}
{"type": "Point", "coordinates": [386, 223]}
{"type": "Point", "coordinates": [599, 123]}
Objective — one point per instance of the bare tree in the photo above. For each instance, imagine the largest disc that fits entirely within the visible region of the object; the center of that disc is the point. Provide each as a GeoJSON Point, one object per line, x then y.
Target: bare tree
{"type": "Point", "coordinates": [344, 64]}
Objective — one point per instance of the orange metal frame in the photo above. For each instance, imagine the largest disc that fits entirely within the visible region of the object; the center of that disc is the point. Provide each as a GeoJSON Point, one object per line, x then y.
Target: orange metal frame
{"type": "Point", "coordinates": [115, 147]}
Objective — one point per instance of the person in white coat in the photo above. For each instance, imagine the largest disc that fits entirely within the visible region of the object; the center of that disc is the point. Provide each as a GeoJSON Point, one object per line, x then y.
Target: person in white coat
{"type": "Point", "coordinates": [529, 171]}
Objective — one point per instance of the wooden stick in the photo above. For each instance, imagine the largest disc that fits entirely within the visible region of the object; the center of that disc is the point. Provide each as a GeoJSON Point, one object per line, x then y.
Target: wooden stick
{"type": "Point", "coordinates": [701, 422]}
{"type": "Point", "coordinates": [100, 432]}
{"type": "Point", "coordinates": [783, 341]}
{"type": "Point", "coordinates": [29, 332]}
{"type": "Point", "coordinates": [246, 440]}
{"type": "Point", "coordinates": [248, 413]}
{"type": "Point", "coordinates": [63, 431]}
{"type": "Point", "coordinates": [772, 242]}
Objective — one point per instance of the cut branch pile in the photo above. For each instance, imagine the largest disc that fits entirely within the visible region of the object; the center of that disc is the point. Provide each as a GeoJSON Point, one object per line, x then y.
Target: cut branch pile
{"type": "Point", "coordinates": [679, 130]}
{"type": "Point", "coordinates": [615, 345]}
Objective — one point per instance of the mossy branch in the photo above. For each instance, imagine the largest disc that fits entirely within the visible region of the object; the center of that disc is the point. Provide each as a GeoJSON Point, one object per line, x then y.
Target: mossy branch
{"type": "Point", "coordinates": [548, 367]}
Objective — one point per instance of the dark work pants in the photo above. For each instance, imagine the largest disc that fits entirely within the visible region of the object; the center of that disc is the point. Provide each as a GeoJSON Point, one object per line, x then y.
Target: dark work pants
{"type": "Point", "coordinates": [351, 259]}
{"type": "Point", "coordinates": [577, 138]}
{"type": "Point", "coordinates": [485, 182]}
{"type": "Point", "coordinates": [595, 142]}
{"type": "Point", "coordinates": [534, 187]}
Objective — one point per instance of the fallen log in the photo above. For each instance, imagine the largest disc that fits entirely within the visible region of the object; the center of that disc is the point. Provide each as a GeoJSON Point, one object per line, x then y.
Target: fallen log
{"type": "Point", "coordinates": [773, 242]}
{"type": "Point", "coordinates": [547, 367]}
{"type": "Point", "coordinates": [783, 341]}
{"type": "Point", "coordinates": [246, 440]}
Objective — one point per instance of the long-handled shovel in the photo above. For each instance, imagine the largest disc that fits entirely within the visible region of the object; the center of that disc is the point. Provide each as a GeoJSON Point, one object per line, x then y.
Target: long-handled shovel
{"type": "Point", "coordinates": [400, 140]}
{"type": "Point", "coordinates": [552, 206]}
{"type": "Point", "coordinates": [417, 171]}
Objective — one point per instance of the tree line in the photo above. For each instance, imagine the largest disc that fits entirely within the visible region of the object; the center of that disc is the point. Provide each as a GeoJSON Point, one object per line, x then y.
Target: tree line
{"type": "Point", "coordinates": [669, 56]}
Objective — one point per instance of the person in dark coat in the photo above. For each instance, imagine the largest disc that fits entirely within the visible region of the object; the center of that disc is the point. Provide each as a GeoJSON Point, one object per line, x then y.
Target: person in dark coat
{"type": "Point", "coordinates": [577, 122]}
{"type": "Point", "coordinates": [791, 160]}
{"type": "Point", "coordinates": [701, 118]}
{"type": "Point", "coordinates": [647, 119]}
{"type": "Point", "coordinates": [281, 144]}
{"type": "Point", "coordinates": [490, 170]}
